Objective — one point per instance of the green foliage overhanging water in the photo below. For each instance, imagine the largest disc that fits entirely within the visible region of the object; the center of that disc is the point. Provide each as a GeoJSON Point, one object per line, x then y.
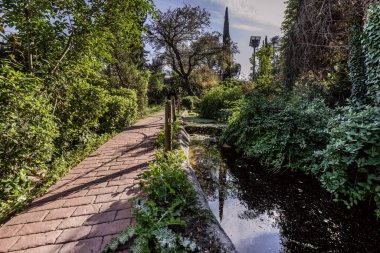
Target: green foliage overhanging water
{"type": "Point", "coordinates": [298, 131]}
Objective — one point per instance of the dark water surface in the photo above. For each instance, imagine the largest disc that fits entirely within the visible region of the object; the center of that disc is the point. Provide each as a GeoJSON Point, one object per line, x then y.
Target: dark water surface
{"type": "Point", "coordinates": [265, 212]}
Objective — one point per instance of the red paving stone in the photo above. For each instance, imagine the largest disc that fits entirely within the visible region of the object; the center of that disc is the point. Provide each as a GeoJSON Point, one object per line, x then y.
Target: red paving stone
{"type": "Point", "coordinates": [87, 209]}
{"type": "Point", "coordinates": [60, 213]}
{"type": "Point", "coordinates": [109, 228]}
{"type": "Point", "coordinates": [35, 240]}
{"type": "Point", "coordinates": [73, 222]}
{"type": "Point", "coordinates": [45, 249]}
{"type": "Point", "coordinates": [88, 206]}
{"type": "Point", "coordinates": [10, 231]}
{"type": "Point", "coordinates": [39, 227]}
{"type": "Point", "coordinates": [92, 245]}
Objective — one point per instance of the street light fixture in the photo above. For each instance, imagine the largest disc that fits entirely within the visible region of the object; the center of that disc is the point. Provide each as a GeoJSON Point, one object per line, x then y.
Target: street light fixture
{"type": "Point", "coordinates": [254, 42]}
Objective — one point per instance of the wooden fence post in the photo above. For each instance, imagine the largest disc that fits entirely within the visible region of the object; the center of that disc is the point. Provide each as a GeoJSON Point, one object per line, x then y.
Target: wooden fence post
{"type": "Point", "coordinates": [168, 126]}
{"type": "Point", "coordinates": [179, 104]}
{"type": "Point", "coordinates": [174, 117]}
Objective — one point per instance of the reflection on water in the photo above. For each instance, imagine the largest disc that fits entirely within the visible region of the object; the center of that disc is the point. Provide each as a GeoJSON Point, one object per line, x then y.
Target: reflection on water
{"type": "Point", "coordinates": [265, 212]}
{"type": "Point", "coordinates": [249, 234]}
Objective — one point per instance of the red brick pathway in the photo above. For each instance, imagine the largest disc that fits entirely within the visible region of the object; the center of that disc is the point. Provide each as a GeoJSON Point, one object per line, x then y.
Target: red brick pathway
{"type": "Point", "coordinates": [86, 208]}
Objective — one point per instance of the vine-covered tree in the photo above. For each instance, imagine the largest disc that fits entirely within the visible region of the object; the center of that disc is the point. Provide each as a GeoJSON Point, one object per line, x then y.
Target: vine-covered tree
{"type": "Point", "coordinates": [316, 44]}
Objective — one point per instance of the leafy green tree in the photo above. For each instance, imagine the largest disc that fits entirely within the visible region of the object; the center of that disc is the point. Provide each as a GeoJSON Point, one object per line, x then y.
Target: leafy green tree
{"type": "Point", "coordinates": [53, 34]}
{"type": "Point", "coordinates": [181, 39]}
{"type": "Point", "coordinates": [264, 76]}
{"type": "Point", "coordinates": [203, 79]}
{"type": "Point", "coordinates": [69, 64]}
{"type": "Point", "coordinates": [157, 90]}
{"type": "Point", "coordinates": [264, 56]}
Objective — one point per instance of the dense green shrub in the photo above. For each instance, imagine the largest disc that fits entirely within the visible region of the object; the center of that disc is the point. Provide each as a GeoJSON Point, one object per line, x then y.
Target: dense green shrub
{"type": "Point", "coordinates": [80, 114]}
{"type": "Point", "coordinates": [190, 102]}
{"type": "Point", "coordinates": [218, 102]}
{"type": "Point", "coordinates": [139, 81]}
{"type": "Point", "coordinates": [156, 90]}
{"type": "Point", "coordinates": [350, 164]}
{"type": "Point", "coordinates": [130, 76]}
{"type": "Point", "coordinates": [166, 181]}
{"type": "Point", "coordinates": [121, 111]}
{"type": "Point", "coordinates": [230, 83]}
{"type": "Point", "coordinates": [279, 132]}
{"type": "Point", "coordinates": [264, 75]}
{"type": "Point", "coordinates": [27, 132]}
{"type": "Point", "coordinates": [141, 86]}
{"type": "Point", "coordinates": [187, 103]}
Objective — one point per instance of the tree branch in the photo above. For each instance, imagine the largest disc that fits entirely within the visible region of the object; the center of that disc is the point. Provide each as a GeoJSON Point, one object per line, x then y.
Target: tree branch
{"type": "Point", "coordinates": [65, 51]}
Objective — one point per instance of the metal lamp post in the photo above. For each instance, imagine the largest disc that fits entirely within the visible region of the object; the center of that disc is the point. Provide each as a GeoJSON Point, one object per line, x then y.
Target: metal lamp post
{"type": "Point", "coordinates": [254, 42]}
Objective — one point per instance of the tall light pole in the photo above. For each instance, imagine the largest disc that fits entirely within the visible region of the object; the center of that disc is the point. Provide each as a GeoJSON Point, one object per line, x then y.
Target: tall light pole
{"type": "Point", "coordinates": [254, 42]}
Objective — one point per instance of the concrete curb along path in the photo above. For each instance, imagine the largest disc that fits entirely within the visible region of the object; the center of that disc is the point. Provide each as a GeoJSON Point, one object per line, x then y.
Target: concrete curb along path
{"type": "Point", "coordinates": [213, 228]}
{"type": "Point", "coordinates": [83, 211]}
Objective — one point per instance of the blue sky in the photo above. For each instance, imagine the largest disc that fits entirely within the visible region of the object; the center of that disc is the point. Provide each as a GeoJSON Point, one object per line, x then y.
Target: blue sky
{"type": "Point", "coordinates": [247, 17]}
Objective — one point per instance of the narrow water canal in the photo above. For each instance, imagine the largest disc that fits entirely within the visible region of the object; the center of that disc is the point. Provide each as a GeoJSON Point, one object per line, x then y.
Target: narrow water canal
{"type": "Point", "coordinates": [265, 212]}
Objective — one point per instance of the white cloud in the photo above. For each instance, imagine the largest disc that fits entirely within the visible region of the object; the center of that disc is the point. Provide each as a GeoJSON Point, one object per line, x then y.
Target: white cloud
{"type": "Point", "coordinates": [265, 11]}
{"type": "Point", "coordinates": [246, 27]}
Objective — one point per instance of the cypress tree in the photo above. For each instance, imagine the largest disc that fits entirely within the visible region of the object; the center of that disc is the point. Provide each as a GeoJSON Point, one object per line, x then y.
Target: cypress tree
{"type": "Point", "coordinates": [227, 48]}
{"type": "Point", "coordinates": [226, 30]}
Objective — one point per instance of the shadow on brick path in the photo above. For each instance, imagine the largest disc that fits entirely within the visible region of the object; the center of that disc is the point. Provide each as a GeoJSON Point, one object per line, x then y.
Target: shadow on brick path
{"type": "Point", "coordinates": [87, 207]}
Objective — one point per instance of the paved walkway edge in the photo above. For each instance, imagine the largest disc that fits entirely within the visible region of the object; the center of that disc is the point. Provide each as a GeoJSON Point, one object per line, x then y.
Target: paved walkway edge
{"type": "Point", "coordinates": [86, 208]}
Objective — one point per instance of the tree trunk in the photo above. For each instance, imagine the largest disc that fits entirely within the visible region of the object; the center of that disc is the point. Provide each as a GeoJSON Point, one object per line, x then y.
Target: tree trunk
{"type": "Point", "coordinates": [188, 87]}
